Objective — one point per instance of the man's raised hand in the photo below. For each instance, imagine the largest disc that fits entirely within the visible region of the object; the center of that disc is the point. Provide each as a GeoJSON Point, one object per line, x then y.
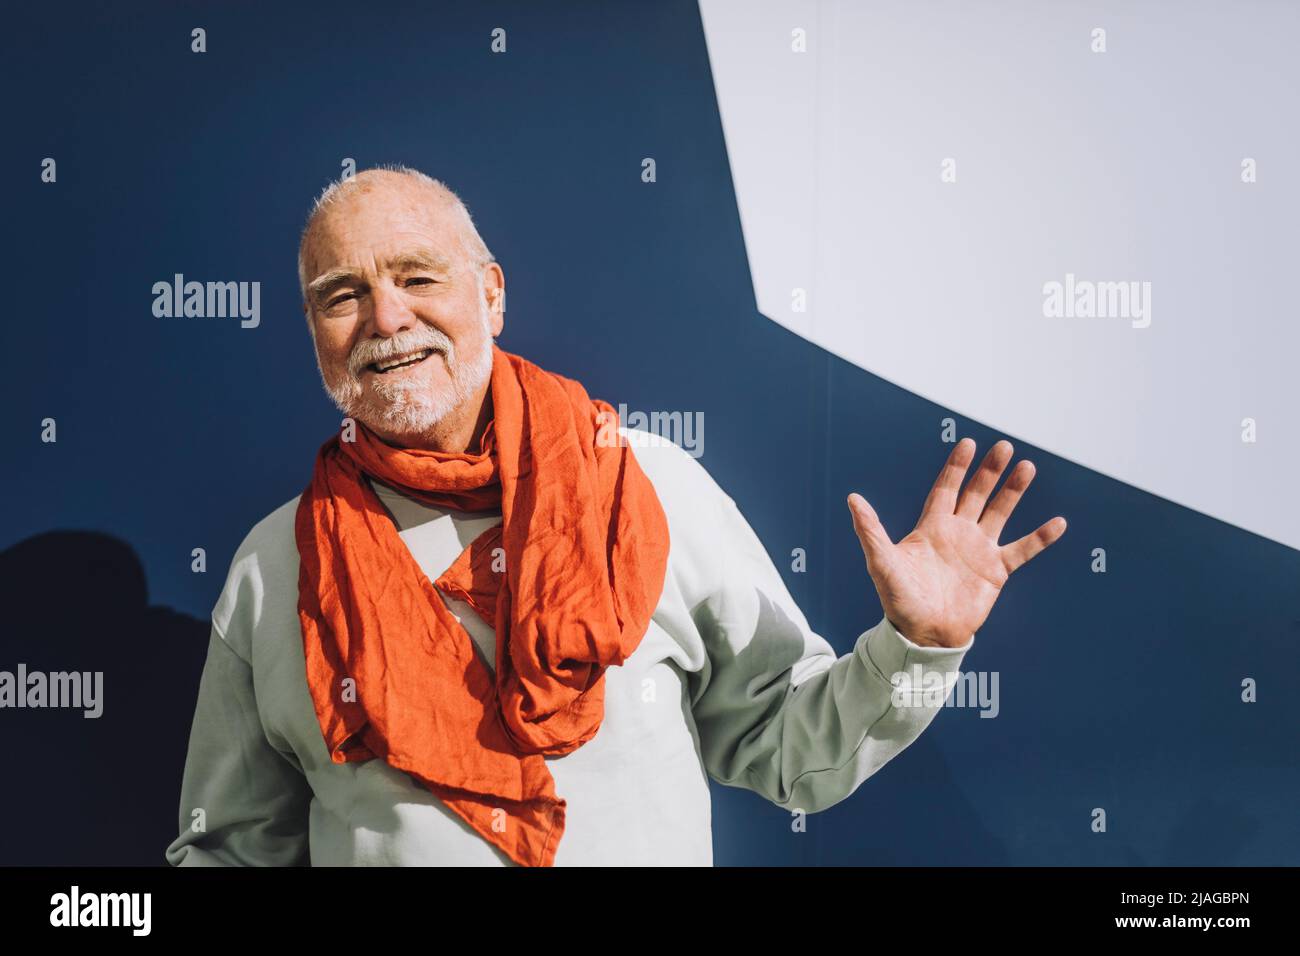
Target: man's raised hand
{"type": "Point", "coordinates": [939, 583]}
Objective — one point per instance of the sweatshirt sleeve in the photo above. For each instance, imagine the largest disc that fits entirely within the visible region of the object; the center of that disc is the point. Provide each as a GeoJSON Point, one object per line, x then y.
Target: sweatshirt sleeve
{"type": "Point", "coordinates": [242, 802]}
{"type": "Point", "coordinates": [776, 711]}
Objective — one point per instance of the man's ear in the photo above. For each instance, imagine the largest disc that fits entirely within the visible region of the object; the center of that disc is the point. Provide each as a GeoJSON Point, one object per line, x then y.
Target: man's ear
{"type": "Point", "coordinates": [494, 288]}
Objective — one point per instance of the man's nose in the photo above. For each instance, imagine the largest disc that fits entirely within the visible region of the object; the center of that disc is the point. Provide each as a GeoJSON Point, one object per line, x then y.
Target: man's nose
{"type": "Point", "coordinates": [390, 312]}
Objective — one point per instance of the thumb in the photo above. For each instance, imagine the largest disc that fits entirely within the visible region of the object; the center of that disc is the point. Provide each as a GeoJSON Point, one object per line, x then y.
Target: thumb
{"type": "Point", "coordinates": [872, 534]}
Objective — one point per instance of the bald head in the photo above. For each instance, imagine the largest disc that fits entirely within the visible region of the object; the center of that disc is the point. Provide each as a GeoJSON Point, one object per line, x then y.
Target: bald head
{"type": "Point", "coordinates": [422, 196]}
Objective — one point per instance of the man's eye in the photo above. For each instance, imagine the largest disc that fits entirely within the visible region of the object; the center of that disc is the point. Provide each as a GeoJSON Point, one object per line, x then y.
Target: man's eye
{"type": "Point", "coordinates": [419, 280]}
{"type": "Point", "coordinates": [340, 298]}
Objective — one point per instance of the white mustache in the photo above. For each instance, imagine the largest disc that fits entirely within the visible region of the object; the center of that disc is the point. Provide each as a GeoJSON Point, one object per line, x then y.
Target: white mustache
{"type": "Point", "coordinates": [369, 351]}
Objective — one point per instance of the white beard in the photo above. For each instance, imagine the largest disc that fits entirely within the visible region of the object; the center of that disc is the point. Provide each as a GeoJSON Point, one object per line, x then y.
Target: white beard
{"type": "Point", "coordinates": [412, 407]}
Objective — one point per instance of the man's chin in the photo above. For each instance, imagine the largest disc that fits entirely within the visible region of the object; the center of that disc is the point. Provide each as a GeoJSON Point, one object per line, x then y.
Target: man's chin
{"type": "Point", "coordinates": [404, 406]}
{"type": "Point", "coordinates": [398, 419]}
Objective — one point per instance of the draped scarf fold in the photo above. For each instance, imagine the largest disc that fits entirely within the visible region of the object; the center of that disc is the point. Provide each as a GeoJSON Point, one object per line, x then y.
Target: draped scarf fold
{"type": "Point", "coordinates": [568, 580]}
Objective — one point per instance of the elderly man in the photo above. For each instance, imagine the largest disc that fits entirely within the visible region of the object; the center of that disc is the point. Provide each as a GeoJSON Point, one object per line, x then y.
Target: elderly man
{"type": "Point", "coordinates": [489, 632]}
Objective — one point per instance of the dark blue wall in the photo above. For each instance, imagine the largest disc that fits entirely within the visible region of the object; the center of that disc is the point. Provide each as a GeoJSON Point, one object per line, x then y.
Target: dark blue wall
{"type": "Point", "coordinates": [1119, 690]}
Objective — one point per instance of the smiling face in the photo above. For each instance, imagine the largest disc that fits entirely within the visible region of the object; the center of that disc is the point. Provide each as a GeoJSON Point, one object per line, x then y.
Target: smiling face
{"type": "Point", "coordinates": [402, 316]}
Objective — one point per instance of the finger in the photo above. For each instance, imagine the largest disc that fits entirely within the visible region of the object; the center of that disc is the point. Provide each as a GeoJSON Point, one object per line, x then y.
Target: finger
{"type": "Point", "coordinates": [1004, 502]}
{"type": "Point", "coordinates": [943, 496]}
{"type": "Point", "coordinates": [984, 481]}
{"type": "Point", "coordinates": [871, 533]}
{"type": "Point", "coordinates": [1027, 548]}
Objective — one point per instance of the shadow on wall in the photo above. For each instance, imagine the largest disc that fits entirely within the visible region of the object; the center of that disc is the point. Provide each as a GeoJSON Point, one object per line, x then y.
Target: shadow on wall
{"type": "Point", "coordinates": [94, 790]}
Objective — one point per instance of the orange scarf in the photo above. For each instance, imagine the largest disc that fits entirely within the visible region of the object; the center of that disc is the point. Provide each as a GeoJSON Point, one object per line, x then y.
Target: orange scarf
{"type": "Point", "coordinates": [393, 675]}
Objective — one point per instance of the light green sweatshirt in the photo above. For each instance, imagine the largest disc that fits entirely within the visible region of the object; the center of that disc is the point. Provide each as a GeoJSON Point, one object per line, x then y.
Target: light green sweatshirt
{"type": "Point", "coordinates": [729, 682]}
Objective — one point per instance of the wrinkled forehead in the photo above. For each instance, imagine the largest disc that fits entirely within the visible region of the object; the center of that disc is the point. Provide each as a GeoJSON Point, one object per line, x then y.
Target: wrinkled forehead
{"type": "Point", "coordinates": [370, 225]}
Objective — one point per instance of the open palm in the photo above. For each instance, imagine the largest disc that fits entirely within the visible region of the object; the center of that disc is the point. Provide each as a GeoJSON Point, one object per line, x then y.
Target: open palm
{"type": "Point", "coordinates": [938, 584]}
